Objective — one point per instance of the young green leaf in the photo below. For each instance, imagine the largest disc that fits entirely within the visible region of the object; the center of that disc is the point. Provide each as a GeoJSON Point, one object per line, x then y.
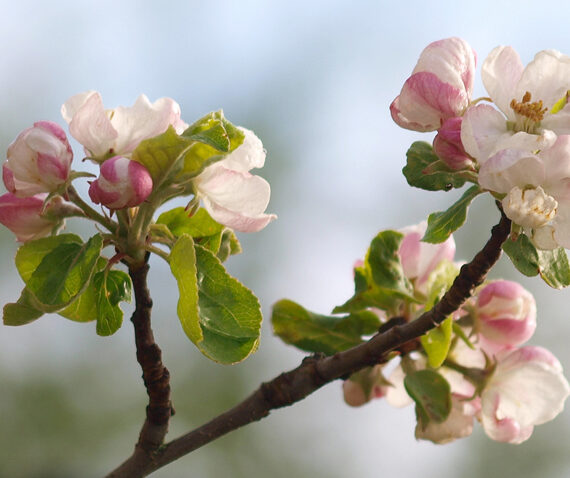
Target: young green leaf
{"type": "Point", "coordinates": [215, 131]}
{"type": "Point", "coordinates": [552, 265]}
{"type": "Point", "coordinates": [63, 273]}
{"type": "Point", "coordinates": [230, 315]}
{"type": "Point", "coordinates": [437, 342]}
{"type": "Point", "coordinates": [380, 281]}
{"type": "Point", "coordinates": [183, 266]}
{"type": "Point", "coordinates": [523, 255]}
{"type": "Point", "coordinates": [442, 224]}
{"type": "Point", "coordinates": [554, 268]}
{"type": "Point", "coordinates": [31, 254]}
{"type": "Point", "coordinates": [113, 287]}
{"type": "Point", "coordinates": [21, 312]}
{"type": "Point", "coordinates": [426, 171]}
{"type": "Point", "coordinates": [432, 395]}
{"type": "Point", "coordinates": [320, 333]}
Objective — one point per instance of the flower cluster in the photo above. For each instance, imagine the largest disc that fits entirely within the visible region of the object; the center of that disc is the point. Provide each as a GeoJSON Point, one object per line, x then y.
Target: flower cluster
{"type": "Point", "coordinates": [493, 377]}
{"type": "Point", "coordinates": [519, 145]}
{"type": "Point", "coordinates": [38, 168]}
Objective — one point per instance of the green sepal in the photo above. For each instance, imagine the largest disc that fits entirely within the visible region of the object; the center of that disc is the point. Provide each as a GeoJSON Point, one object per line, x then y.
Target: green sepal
{"type": "Point", "coordinates": [321, 333]}
{"type": "Point", "coordinates": [552, 265]}
{"type": "Point", "coordinates": [113, 287]}
{"type": "Point", "coordinates": [218, 313]}
{"type": "Point", "coordinates": [425, 170]}
{"type": "Point", "coordinates": [380, 281]}
{"type": "Point", "coordinates": [229, 245]}
{"type": "Point", "coordinates": [432, 395]}
{"type": "Point", "coordinates": [442, 224]}
{"type": "Point", "coordinates": [63, 273]}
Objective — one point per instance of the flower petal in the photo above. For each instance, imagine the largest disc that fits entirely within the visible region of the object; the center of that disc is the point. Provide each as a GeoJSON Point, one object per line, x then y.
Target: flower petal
{"type": "Point", "coordinates": [509, 168]}
{"type": "Point", "coordinates": [482, 127]}
{"type": "Point", "coordinates": [501, 72]}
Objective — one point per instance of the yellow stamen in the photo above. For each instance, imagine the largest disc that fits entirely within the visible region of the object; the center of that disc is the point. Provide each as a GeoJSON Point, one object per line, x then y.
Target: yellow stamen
{"type": "Point", "coordinates": [533, 111]}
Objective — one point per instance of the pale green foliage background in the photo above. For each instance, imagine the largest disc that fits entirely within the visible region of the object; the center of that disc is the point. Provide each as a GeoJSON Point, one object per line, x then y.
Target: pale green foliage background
{"type": "Point", "coordinates": [314, 81]}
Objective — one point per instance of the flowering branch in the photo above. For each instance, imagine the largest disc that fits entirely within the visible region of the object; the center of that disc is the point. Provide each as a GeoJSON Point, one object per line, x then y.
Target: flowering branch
{"type": "Point", "coordinates": [156, 379]}
{"type": "Point", "coordinates": [315, 371]}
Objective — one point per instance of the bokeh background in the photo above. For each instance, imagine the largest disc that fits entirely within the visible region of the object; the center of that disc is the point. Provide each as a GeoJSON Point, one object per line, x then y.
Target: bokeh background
{"type": "Point", "coordinates": [314, 80]}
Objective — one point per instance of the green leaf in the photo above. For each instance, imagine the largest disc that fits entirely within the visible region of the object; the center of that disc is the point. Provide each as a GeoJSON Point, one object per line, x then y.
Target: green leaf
{"type": "Point", "coordinates": [552, 265]}
{"type": "Point", "coordinates": [320, 333]}
{"type": "Point", "coordinates": [380, 282]}
{"type": "Point", "coordinates": [426, 171]}
{"type": "Point", "coordinates": [437, 341]}
{"type": "Point", "coordinates": [21, 312]}
{"type": "Point", "coordinates": [113, 287]}
{"type": "Point", "coordinates": [218, 313]}
{"type": "Point", "coordinates": [432, 395]}
{"type": "Point", "coordinates": [523, 255]}
{"type": "Point", "coordinates": [179, 222]}
{"type": "Point", "coordinates": [554, 268]}
{"type": "Point", "coordinates": [84, 307]}
{"type": "Point", "coordinates": [183, 266]}
{"type": "Point", "coordinates": [63, 273]}
{"type": "Point", "coordinates": [215, 131]}
{"type": "Point", "coordinates": [230, 315]}
{"type": "Point", "coordinates": [442, 224]}
{"type": "Point", "coordinates": [31, 254]}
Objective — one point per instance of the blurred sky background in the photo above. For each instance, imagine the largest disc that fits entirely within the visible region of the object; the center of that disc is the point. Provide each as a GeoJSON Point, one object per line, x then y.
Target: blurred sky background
{"type": "Point", "coordinates": [314, 80]}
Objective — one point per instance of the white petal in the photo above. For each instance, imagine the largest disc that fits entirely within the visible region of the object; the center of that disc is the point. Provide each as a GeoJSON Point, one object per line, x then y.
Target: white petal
{"type": "Point", "coordinates": [500, 72]}
{"type": "Point", "coordinates": [547, 77]}
{"type": "Point", "coordinates": [510, 168]}
{"type": "Point", "coordinates": [91, 126]}
{"type": "Point", "coordinates": [235, 191]}
{"type": "Point", "coordinates": [250, 154]}
{"type": "Point", "coordinates": [237, 220]}
{"type": "Point", "coordinates": [72, 105]}
{"type": "Point", "coordinates": [482, 128]}
{"type": "Point", "coordinates": [143, 120]}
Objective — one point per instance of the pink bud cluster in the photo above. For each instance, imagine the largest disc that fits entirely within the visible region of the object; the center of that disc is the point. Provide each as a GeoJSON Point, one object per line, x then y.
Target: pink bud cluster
{"type": "Point", "coordinates": [39, 161]}
{"type": "Point", "coordinates": [516, 386]}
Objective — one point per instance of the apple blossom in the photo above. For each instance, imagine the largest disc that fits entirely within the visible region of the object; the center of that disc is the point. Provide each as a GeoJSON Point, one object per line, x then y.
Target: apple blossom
{"type": "Point", "coordinates": [120, 130]}
{"type": "Point", "coordinates": [231, 194]}
{"type": "Point", "coordinates": [528, 99]}
{"type": "Point", "coordinates": [439, 88]}
{"type": "Point", "coordinates": [121, 183]}
{"type": "Point", "coordinates": [505, 313]}
{"type": "Point", "coordinates": [22, 215]}
{"type": "Point", "coordinates": [537, 188]}
{"type": "Point", "coordinates": [418, 258]}
{"type": "Point", "coordinates": [38, 160]}
{"type": "Point", "coordinates": [527, 388]}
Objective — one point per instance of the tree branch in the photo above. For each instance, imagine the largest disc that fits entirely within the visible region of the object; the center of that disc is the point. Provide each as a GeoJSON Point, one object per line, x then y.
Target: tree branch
{"type": "Point", "coordinates": [156, 379]}
{"type": "Point", "coordinates": [314, 372]}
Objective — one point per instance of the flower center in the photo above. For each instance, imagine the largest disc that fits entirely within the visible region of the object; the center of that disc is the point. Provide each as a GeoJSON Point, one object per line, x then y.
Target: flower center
{"type": "Point", "coordinates": [530, 207]}
{"type": "Point", "coordinates": [529, 114]}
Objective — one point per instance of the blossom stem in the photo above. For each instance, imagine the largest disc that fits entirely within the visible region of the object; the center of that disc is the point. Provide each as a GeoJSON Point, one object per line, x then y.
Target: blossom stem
{"type": "Point", "coordinates": [89, 212]}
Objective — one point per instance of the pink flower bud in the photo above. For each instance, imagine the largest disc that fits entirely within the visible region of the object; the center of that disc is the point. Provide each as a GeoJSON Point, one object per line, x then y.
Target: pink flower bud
{"type": "Point", "coordinates": [419, 258]}
{"type": "Point", "coordinates": [526, 389]}
{"type": "Point", "coordinates": [38, 161]}
{"type": "Point", "coordinates": [121, 183]}
{"type": "Point", "coordinates": [448, 147]}
{"type": "Point", "coordinates": [22, 215]}
{"type": "Point", "coordinates": [440, 86]}
{"type": "Point", "coordinates": [506, 313]}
